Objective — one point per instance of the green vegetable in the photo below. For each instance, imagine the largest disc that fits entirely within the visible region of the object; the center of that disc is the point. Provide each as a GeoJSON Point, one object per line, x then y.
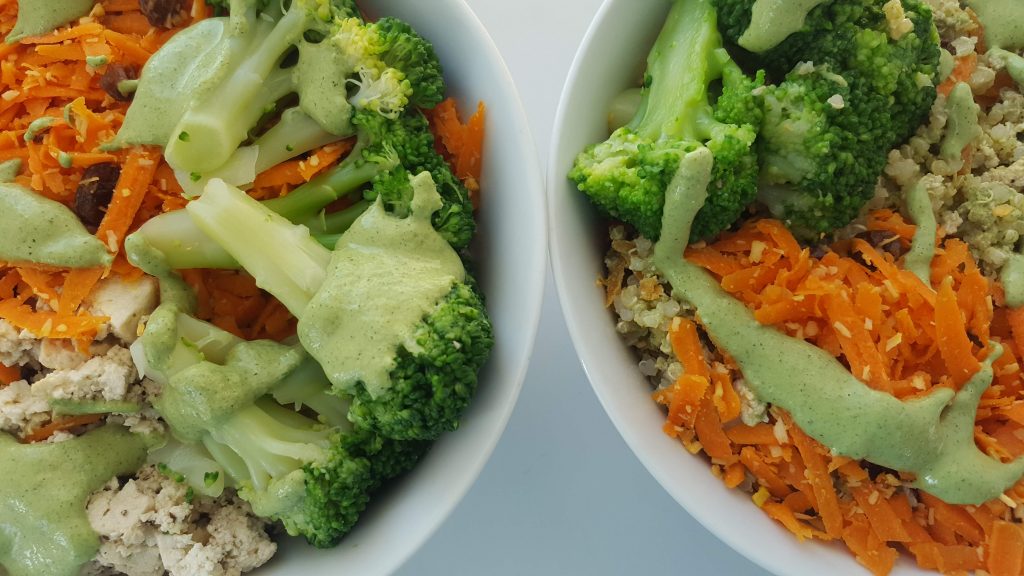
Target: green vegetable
{"type": "Point", "coordinates": [225, 401]}
{"type": "Point", "coordinates": [320, 50]}
{"type": "Point", "coordinates": [413, 379]}
{"type": "Point", "coordinates": [385, 153]}
{"type": "Point", "coordinates": [627, 175]}
{"type": "Point", "coordinates": [848, 91]}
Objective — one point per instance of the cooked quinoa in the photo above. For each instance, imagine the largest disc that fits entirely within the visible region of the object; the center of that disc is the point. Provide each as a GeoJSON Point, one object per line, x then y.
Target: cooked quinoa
{"type": "Point", "coordinates": [982, 200]}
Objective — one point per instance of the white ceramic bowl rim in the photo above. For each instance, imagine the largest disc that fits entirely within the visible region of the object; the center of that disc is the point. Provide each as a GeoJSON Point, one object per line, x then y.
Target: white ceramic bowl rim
{"type": "Point", "coordinates": [611, 59]}
{"type": "Point", "coordinates": [511, 260]}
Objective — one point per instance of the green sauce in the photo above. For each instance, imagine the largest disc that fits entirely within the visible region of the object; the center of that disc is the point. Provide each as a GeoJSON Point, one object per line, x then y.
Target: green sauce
{"type": "Point", "coordinates": [772, 21]}
{"type": "Point", "coordinates": [1014, 64]}
{"type": "Point", "coordinates": [962, 126]}
{"type": "Point", "coordinates": [947, 62]}
{"type": "Point", "coordinates": [37, 126]}
{"type": "Point", "coordinates": [386, 274]}
{"type": "Point", "coordinates": [96, 61]}
{"type": "Point", "coordinates": [207, 393]}
{"type": "Point", "coordinates": [1003, 21]}
{"type": "Point", "coordinates": [42, 231]}
{"type": "Point", "coordinates": [931, 436]}
{"type": "Point", "coordinates": [44, 530]}
{"type": "Point", "coordinates": [1012, 278]}
{"type": "Point", "coordinates": [37, 17]}
{"type": "Point", "coordinates": [183, 70]}
{"type": "Point", "coordinates": [65, 159]}
{"type": "Point", "coordinates": [9, 170]}
{"type": "Point", "coordinates": [922, 250]}
{"type": "Point", "coordinates": [321, 95]}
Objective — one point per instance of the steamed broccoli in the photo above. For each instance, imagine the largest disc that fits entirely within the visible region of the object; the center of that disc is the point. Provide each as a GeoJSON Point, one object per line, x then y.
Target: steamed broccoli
{"type": "Point", "coordinates": [386, 152]}
{"type": "Point", "coordinates": [227, 404]}
{"type": "Point", "coordinates": [851, 84]}
{"type": "Point", "coordinates": [627, 175]}
{"type": "Point", "coordinates": [411, 385]}
{"type": "Point", "coordinates": [318, 50]}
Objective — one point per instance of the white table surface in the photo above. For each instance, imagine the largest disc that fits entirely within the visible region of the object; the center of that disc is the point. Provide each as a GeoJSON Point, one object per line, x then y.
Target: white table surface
{"type": "Point", "coordinates": [562, 494]}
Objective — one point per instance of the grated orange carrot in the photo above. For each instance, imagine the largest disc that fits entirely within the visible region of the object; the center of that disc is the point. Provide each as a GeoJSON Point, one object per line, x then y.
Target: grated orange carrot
{"type": "Point", "coordinates": [462, 144]}
{"type": "Point", "coordinates": [897, 334]}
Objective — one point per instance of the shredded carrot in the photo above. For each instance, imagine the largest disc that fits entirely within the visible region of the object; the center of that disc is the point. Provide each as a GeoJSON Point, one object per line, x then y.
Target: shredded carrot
{"type": "Point", "coordinates": [461, 143]}
{"type": "Point", "coordinates": [951, 335]}
{"type": "Point", "coordinates": [897, 334]}
{"type": "Point", "coordinates": [1006, 549]}
{"type": "Point", "coordinates": [60, 425]}
{"type": "Point", "coordinates": [963, 69]}
{"type": "Point", "coordinates": [686, 345]}
{"type": "Point", "coordinates": [9, 374]}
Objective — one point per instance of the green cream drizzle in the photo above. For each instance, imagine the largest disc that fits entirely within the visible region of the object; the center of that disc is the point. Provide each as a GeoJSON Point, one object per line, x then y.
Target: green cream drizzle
{"type": "Point", "coordinates": [9, 170]}
{"type": "Point", "coordinates": [1014, 64]}
{"type": "Point", "coordinates": [931, 436]}
{"type": "Point", "coordinates": [1012, 278]}
{"type": "Point", "coordinates": [36, 17]}
{"type": "Point", "coordinates": [922, 249]}
{"type": "Point", "coordinates": [183, 70]}
{"type": "Point", "coordinates": [65, 159]}
{"type": "Point", "coordinates": [947, 62]}
{"type": "Point", "coordinates": [42, 231]}
{"type": "Point", "coordinates": [772, 21]}
{"type": "Point", "coordinates": [962, 125]}
{"type": "Point", "coordinates": [45, 532]}
{"type": "Point", "coordinates": [1003, 21]}
{"type": "Point", "coordinates": [96, 61]}
{"type": "Point", "coordinates": [37, 126]}
{"type": "Point", "coordinates": [385, 275]}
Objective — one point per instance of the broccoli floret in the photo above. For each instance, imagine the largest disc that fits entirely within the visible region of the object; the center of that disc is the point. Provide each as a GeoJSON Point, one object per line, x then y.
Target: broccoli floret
{"type": "Point", "coordinates": [386, 152]}
{"type": "Point", "coordinates": [407, 51]}
{"type": "Point", "coordinates": [225, 401]}
{"type": "Point", "coordinates": [414, 144]}
{"type": "Point", "coordinates": [852, 84]}
{"type": "Point", "coordinates": [820, 149]}
{"type": "Point", "coordinates": [627, 174]}
{"type": "Point", "coordinates": [409, 389]}
{"type": "Point", "coordinates": [322, 51]}
{"type": "Point", "coordinates": [430, 388]}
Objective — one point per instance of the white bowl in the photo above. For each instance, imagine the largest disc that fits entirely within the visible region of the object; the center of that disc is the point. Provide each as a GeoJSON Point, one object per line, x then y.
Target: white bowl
{"type": "Point", "coordinates": [511, 262]}
{"type": "Point", "coordinates": [610, 60]}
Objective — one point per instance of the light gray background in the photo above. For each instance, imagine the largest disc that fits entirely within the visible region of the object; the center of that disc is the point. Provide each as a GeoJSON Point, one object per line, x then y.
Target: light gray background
{"type": "Point", "coordinates": [563, 494]}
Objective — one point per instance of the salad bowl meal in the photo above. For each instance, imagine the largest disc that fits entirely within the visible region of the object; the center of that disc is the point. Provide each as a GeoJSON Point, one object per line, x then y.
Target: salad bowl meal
{"type": "Point", "coordinates": [804, 221]}
{"type": "Point", "coordinates": [270, 274]}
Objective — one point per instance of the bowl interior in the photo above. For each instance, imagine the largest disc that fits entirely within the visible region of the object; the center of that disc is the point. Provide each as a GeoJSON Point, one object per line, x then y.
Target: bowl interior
{"type": "Point", "coordinates": [511, 260]}
{"type": "Point", "coordinates": [610, 60]}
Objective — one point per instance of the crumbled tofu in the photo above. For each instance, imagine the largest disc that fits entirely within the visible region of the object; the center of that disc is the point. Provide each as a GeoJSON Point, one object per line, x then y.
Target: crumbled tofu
{"type": "Point", "coordinates": [106, 377]}
{"type": "Point", "coordinates": [837, 101]}
{"type": "Point", "coordinates": [20, 408]}
{"type": "Point", "coordinates": [15, 345]}
{"type": "Point", "coordinates": [952, 19]}
{"type": "Point", "coordinates": [60, 355]}
{"type": "Point", "coordinates": [148, 527]}
{"type": "Point", "coordinates": [126, 304]}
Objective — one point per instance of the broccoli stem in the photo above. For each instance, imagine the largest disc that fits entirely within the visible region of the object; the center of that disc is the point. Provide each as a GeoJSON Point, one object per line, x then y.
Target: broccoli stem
{"type": "Point", "coordinates": [283, 258]}
{"type": "Point", "coordinates": [305, 202]}
{"type": "Point", "coordinates": [184, 245]}
{"type": "Point", "coordinates": [272, 440]}
{"type": "Point", "coordinates": [208, 134]}
{"type": "Point", "coordinates": [336, 223]}
{"type": "Point", "coordinates": [308, 386]}
{"type": "Point", "coordinates": [682, 64]}
{"type": "Point", "coordinates": [294, 134]}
